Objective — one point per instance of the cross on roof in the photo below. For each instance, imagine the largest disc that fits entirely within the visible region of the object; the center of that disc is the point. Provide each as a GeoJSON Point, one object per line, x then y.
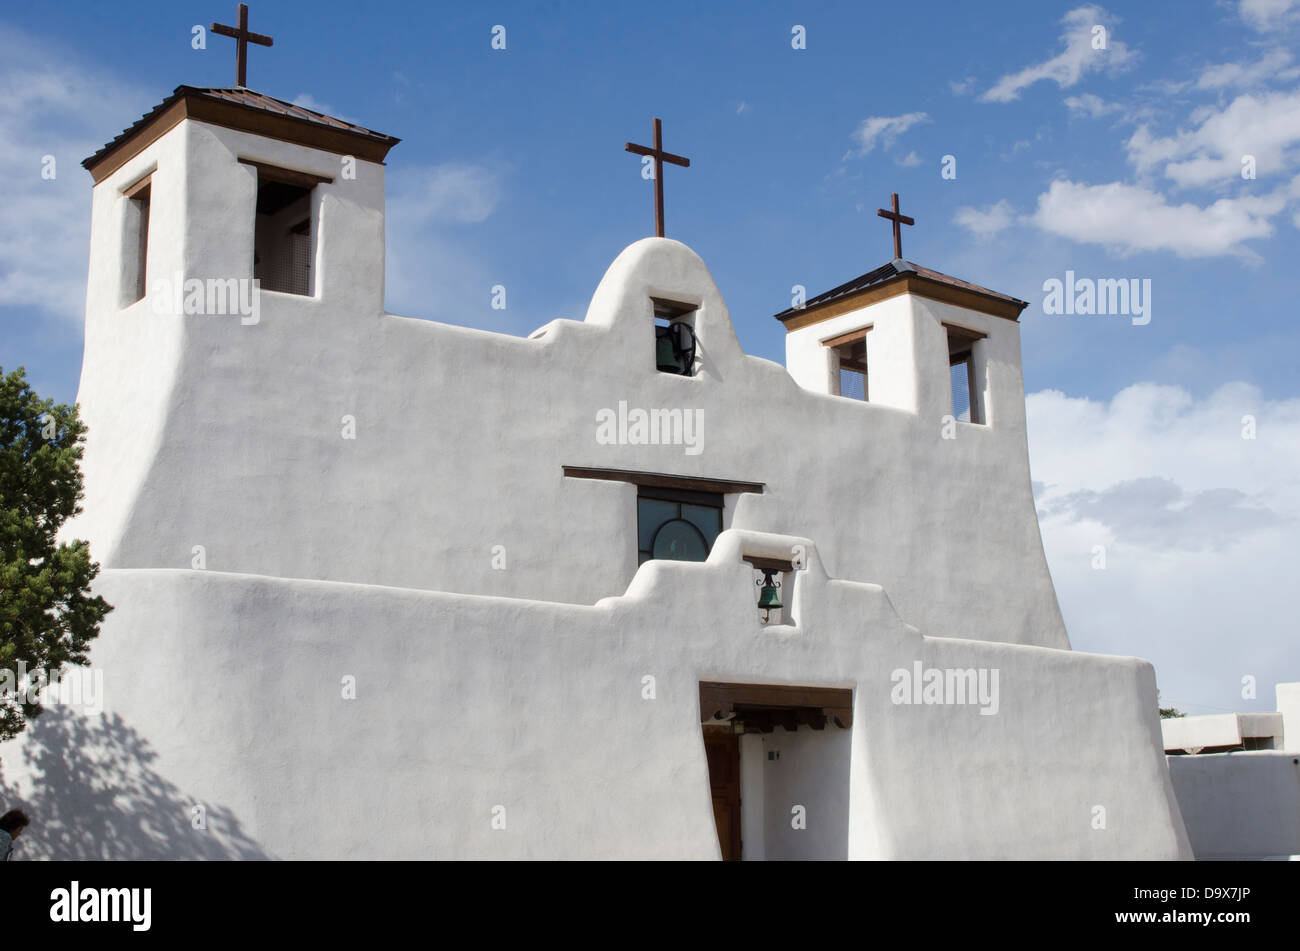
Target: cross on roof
{"type": "Point", "coordinates": [660, 156]}
{"type": "Point", "coordinates": [897, 219]}
{"type": "Point", "coordinates": [242, 38]}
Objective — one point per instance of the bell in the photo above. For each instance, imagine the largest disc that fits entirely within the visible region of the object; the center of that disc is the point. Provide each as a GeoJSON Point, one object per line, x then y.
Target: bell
{"type": "Point", "coordinates": [665, 358]}
{"type": "Point", "coordinates": [768, 599]}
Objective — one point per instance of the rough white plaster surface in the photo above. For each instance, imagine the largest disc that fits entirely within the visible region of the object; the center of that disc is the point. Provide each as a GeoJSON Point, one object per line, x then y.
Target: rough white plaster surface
{"type": "Point", "coordinates": [517, 694]}
{"type": "Point", "coordinates": [207, 431]}
{"type": "Point", "coordinates": [1244, 804]}
{"type": "Point", "coordinates": [229, 687]}
{"type": "Point", "coordinates": [1221, 729]}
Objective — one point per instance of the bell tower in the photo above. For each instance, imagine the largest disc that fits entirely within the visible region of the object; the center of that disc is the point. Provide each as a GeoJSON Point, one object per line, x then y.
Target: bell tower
{"type": "Point", "coordinates": [228, 184]}
{"type": "Point", "coordinates": [911, 338]}
{"type": "Point", "coordinates": [222, 220]}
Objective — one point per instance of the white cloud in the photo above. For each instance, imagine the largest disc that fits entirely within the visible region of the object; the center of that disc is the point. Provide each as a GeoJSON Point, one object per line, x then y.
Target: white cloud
{"type": "Point", "coordinates": [884, 130]}
{"type": "Point", "coordinates": [744, 108]}
{"type": "Point", "coordinates": [910, 160]}
{"type": "Point", "coordinates": [1266, 15]}
{"type": "Point", "coordinates": [962, 87]}
{"type": "Point", "coordinates": [1094, 107]}
{"type": "Point", "coordinates": [1155, 511]}
{"type": "Point", "coordinates": [431, 271]}
{"type": "Point", "coordinates": [1264, 126]}
{"type": "Point", "coordinates": [1198, 526]}
{"type": "Point", "coordinates": [1271, 68]}
{"type": "Point", "coordinates": [1074, 62]}
{"type": "Point", "coordinates": [454, 192]}
{"type": "Point", "coordinates": [1133, 218]}
{"type": "Point", "coordinates": [985, 222]}
{"type": "Point", "coordinates": [50, 106]}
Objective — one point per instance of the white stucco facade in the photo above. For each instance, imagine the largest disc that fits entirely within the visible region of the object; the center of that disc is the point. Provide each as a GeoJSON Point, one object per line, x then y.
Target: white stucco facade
{"type": "Point", "coordinates": [1237, 779]}
{"type": "Point", "coordinates": [490, 610]}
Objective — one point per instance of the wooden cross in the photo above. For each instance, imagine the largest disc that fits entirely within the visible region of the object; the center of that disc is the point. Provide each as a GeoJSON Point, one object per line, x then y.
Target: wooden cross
{"type": "Point", "coordinates": [660, 156]}
{"type": "Point", "coordinates": [242, 38]}
{"type": "Point", "coordinates": [897, 219]}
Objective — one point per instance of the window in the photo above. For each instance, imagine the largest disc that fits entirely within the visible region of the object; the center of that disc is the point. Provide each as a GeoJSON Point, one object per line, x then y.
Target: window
{"type": "Point", "coordinates": [849, 364]}
{"type": "Point", "coordinates": [282, 232]}
{"type": "Point", "coordinates": [135, 241]}
{"type": "Point", "coordinates": [675, 343]}
{"type": "Point", "coordinates": [961, 374]}
{"type": "Point", "coordinates": [853, 369]}
{"type": "Point", "coordinates": [677, 524]}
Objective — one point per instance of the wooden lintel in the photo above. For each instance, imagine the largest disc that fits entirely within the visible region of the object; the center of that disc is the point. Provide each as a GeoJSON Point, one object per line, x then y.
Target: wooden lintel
{"type": "Point", "coordinates": [770, 564]}
{"type": "Point", "coordinates": [964, 333]}
{"type": "Point", "coordinates": [851, 337]}
{"type": "Point", "coordinates": [663, 480]}
{"type": "Point", "coordinates": [136, 187]}
{"type": "Point", "coordinates": [762, 704]}
{"type": "Point", "coordinates": [289, 176]}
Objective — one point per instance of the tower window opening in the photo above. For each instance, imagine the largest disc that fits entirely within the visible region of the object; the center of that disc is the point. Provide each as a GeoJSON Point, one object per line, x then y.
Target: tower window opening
{"type": "Point", "coordinates": [284, 230]}
{"type": "Point", "coordinates": [675, 343]}
{"type": "Point", "coordinates": [135, 242]}
{"type": "Point", "coordinates": [964, 385]}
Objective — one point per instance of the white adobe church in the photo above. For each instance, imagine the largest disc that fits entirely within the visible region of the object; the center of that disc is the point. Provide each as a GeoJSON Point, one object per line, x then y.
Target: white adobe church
{"type": "Point", "coordinates": [389, 588]}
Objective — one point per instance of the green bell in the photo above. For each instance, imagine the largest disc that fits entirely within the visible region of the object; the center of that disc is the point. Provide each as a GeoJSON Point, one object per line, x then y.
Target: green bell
{"type": "Point", "coordinates": [768, 599]}
{"type": "Point", "coordinates": [665, 358]}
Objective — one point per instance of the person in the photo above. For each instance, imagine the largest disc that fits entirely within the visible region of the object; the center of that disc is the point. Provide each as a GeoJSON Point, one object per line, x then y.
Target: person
{"type": "Point", "coordinates": [12, 824]}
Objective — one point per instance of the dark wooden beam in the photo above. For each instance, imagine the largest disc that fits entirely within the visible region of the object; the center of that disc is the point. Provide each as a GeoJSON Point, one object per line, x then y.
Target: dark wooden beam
{"type": "Point", "coordinates": [779, 703]}
{"type": "Point", "coordinates": [289, 176]}
{"type": "Point", "coordinates": [771, 564]}
{"type": "Point", "coordinates": [137, 186]}
{"type": "Point", "coordinates": [663, 480]}
{"type": "Point", "coordinates": [850, 337]}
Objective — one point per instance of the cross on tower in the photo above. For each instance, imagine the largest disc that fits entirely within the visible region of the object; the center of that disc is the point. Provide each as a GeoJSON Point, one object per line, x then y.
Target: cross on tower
{"type": "Point", "coordinates": [897, 219]}
{"type": "Point", "coordinates": [660, 156]}
{"type": "Point", "coordinates": [242, 38]}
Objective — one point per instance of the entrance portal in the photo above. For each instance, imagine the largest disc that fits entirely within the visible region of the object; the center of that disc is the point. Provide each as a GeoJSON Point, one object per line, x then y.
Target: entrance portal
{"type": "Point", "coordinates": [788, 806]}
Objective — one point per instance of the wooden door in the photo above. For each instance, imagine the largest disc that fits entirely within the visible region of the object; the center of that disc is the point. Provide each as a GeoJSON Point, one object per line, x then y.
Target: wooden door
{"type": "Point", "coordinates": [723, 751]}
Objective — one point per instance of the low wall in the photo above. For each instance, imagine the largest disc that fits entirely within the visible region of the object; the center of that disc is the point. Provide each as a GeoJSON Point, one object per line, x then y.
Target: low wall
{"type": "Point", "coordinates": [1240, 805]}
{"type": "Point", "coordinates": [315, 719]}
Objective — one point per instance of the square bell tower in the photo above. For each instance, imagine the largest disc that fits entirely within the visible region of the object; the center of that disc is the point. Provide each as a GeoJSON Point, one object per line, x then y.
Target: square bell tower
{"type": "Point", "coordinates": [221, 185]}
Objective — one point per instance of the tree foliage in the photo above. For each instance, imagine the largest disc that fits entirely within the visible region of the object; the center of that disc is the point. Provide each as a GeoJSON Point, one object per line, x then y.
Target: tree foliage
{"type": "Point", "coordinates": [47, 615]}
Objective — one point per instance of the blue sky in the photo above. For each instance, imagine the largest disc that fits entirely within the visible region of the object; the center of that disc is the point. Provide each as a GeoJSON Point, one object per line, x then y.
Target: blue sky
{"type": "Point", "coordinates": [1115, 163]}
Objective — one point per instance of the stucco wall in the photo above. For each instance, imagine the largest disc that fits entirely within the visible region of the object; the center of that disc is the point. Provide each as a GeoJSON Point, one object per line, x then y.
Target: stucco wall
{"type": "Point", "coordinates": [237, 444]}
{"type": "Point", "coordinates": [226, 690]}
{"type": "Point", "coordinates": [1242, 805]}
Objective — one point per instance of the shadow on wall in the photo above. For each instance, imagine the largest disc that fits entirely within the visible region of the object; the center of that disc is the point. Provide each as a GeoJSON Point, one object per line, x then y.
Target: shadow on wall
{"type": "Point", "coordinates": [95, 796]}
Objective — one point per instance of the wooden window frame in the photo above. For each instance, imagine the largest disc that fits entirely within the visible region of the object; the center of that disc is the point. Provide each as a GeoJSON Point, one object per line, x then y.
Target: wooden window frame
{"type": "Point", "coordinates": [140, 192]}
{"type": "Point", "coordinates": [966, 340]}
{"type": "Point", "coordinates": [679, 497]}
{"type": "Point", "coordinates": [286, 176]}
{"type": "Point", "coordinates": [837, 345]}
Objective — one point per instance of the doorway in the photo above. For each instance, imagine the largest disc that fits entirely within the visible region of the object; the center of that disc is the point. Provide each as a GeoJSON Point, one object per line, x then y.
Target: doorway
{"type": "Point", "coordinates": [778, 759]}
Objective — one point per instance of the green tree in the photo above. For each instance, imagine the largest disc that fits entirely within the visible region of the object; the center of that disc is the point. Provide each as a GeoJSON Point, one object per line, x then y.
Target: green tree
{"type": "Point", "coordinates": [47, 616]}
